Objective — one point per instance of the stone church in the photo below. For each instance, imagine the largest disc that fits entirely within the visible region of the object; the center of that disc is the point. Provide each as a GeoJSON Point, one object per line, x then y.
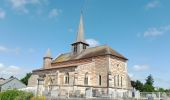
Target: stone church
{"type": "Point", "coordinates": [99, 69]}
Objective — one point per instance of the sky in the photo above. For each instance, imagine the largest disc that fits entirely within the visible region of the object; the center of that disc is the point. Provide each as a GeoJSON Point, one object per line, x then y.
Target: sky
{"type": "Point", "coordinates": [138, 29]}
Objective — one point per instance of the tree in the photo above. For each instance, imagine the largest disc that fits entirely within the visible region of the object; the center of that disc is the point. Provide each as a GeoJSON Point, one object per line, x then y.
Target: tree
{"type": "Point", "coordinates": [148, 87]}
{"type": "Point", "coordinates": [25, 79]}
{"type": "Point", "coordinates": [133, 84]}
{"type": "Point", "coordinates": [161, 90]}
{"type": "Point", "coordinates": [138, 85]}
{"type": "Point", "coordinates": [149, 80]}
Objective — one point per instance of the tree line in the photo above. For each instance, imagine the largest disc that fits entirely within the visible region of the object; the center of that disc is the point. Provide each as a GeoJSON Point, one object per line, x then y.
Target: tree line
{"type": "Point", "coordinates": [148, 86]}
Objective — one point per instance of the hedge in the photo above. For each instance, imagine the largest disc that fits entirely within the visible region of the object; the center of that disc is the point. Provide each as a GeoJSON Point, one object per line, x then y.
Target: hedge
{"type": "Point", "coordinates": [15, 95]}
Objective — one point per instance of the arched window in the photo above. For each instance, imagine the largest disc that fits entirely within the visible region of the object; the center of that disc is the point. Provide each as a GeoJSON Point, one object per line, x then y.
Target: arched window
{"type": "Point", "coordinates": [100, 80]}
{"type": "Point", "coordinates": [121, 82]}
{"type": "Point", "coordinates": [67, 78]}
{"type": "Point", "coordinates": [86, 79]}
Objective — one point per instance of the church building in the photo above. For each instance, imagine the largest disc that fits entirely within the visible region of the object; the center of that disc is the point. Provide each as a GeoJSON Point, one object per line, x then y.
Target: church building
{"type": "Point", "coordinates": [99, 69]}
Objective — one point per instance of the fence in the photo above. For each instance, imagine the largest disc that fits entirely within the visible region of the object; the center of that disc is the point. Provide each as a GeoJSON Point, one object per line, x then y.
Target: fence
{"type": "Point", "coordinates": [115, 96]}
{"type": "Point", "coordinates": [65, 94]}
{"type": "Point", "coordinates": [154, 96]}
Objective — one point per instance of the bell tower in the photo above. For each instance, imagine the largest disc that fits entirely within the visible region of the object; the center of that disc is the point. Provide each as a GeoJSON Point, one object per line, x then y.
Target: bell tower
{"type": "Point", "coordinates": [80, 43]}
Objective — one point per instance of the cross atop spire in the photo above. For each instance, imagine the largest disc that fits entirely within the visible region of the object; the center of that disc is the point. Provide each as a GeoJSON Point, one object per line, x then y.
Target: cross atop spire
{"type": "Point", "coordinates": [80, 33]}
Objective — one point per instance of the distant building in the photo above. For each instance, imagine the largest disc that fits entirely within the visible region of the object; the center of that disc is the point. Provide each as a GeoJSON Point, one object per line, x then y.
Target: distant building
{"type": "Point", "coordinates": [100, 68]}
{"type": "Point", "coordinates": [12, 83]}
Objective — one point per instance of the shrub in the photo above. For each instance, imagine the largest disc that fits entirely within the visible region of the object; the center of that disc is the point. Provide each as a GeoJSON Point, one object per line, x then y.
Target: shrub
{"type": "Point", "coordinates": [15, 95]}
{"type": "Point", "coordinates": [38, 98]}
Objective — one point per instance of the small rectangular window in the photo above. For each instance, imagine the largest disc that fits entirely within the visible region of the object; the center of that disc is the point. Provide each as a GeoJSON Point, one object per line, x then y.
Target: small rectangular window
{"type": "Point", "coordinates": [86, 81]}
{"type": "Point", "coordinates": [121, 82]}
{"type": "Point", "coordinates": [118, 80]}
{"type": "Point", "coordinates": [67, 78]}
{"type": "Point", "coordinates": [84, 47]}
{"type": "Point", "coordinates": [114, 80]}
{"type": "Point", "coordinates": [100, 82]}
{"type": "Point", "coordinates": [75, 48]}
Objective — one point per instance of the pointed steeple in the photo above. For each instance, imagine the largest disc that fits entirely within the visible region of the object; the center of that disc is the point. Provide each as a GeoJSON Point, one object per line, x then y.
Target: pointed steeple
{"type": "Point", "coordinates": [80, 43]}
{"type": "Point", "coordinates": [48, 53]}
{"type": "Point", "coordinates": [80, 33]}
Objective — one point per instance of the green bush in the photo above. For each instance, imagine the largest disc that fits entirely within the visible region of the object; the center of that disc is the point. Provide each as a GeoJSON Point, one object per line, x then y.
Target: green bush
{"type": "Point", "coordinates": [38, 98]}
{"type": "Point", "coordinates": [15, 95]}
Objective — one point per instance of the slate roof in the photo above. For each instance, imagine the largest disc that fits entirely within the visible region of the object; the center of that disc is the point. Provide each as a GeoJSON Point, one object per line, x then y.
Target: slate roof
{"type": "Point", "coordinates": [7, 80]}
{"type": "Point", "coordinates": [89, 52]}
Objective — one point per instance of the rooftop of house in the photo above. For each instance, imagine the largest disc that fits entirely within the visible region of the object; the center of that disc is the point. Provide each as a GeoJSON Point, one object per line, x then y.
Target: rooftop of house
{"type": "Point", "coordinates": [7, 80]}
{"type": "Point", "coordinates": [1, 80]}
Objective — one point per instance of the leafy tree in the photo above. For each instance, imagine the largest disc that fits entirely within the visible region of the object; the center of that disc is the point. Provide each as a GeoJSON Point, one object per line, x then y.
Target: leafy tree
{"type": "Point", "coordinates": [138, 85]}
{"type": "Point", "coordinates": [167, 90]}
{"type": "Point", "coordinates": [148, 87]}
{"type": "Point", "coordinates": [25, 79]}
{"type": "Point", "coordinates": [161, 90]}
{"type": "Point", "coordinates": [149, 80]}
{"type": "Point", "coordinates": [133, 83]}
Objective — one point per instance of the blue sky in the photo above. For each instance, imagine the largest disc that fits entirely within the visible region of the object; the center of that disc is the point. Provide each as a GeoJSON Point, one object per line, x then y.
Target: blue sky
{"type": "Point", "coordinates": [138, 29]}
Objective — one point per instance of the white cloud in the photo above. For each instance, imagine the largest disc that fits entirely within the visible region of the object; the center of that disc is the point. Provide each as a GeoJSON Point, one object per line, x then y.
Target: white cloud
{"type": "Point", "coordinates": [152, 4]}
{"type": "Point", "coordinates": [13, 69]}
{"type": "Point", "coordinates": [154, 32]}
{"type": "Point", "coordinates": [54, 13]}
{"type": "Point", "coordinates": [9, 50]}
{"type": "Point", "coordinates": [21, 5]}
{"type": "Point", "coordinates": [92, 42]}
{"type": "Point", "coordinates": [141, 67]}
{"type": "Point", "coordinates": [2, 14]}
{"type": "Point", "coordinates": [9, 70]}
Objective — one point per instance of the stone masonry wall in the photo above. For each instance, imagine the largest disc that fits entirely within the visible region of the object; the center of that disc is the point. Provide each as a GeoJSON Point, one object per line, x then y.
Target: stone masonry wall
{"type": "Point", "coordinates": [118, 69]}
{"type": "Point", "coordinates": [32, 81]}
{"type": "Point", "coordinates": [101, 68]}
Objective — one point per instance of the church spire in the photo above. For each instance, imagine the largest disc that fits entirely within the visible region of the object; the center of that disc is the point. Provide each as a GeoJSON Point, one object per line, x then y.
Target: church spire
{"type": "Point", "coordinates": [80, 43]}
{"type": "Point", "coordinates": [80, 33]}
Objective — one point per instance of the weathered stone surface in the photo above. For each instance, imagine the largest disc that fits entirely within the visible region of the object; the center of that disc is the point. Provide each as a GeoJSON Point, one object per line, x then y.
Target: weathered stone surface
{"type": "Point", "coordinates": [108, 67]}
{"type": "Point", "coordinates": [32, 81]}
